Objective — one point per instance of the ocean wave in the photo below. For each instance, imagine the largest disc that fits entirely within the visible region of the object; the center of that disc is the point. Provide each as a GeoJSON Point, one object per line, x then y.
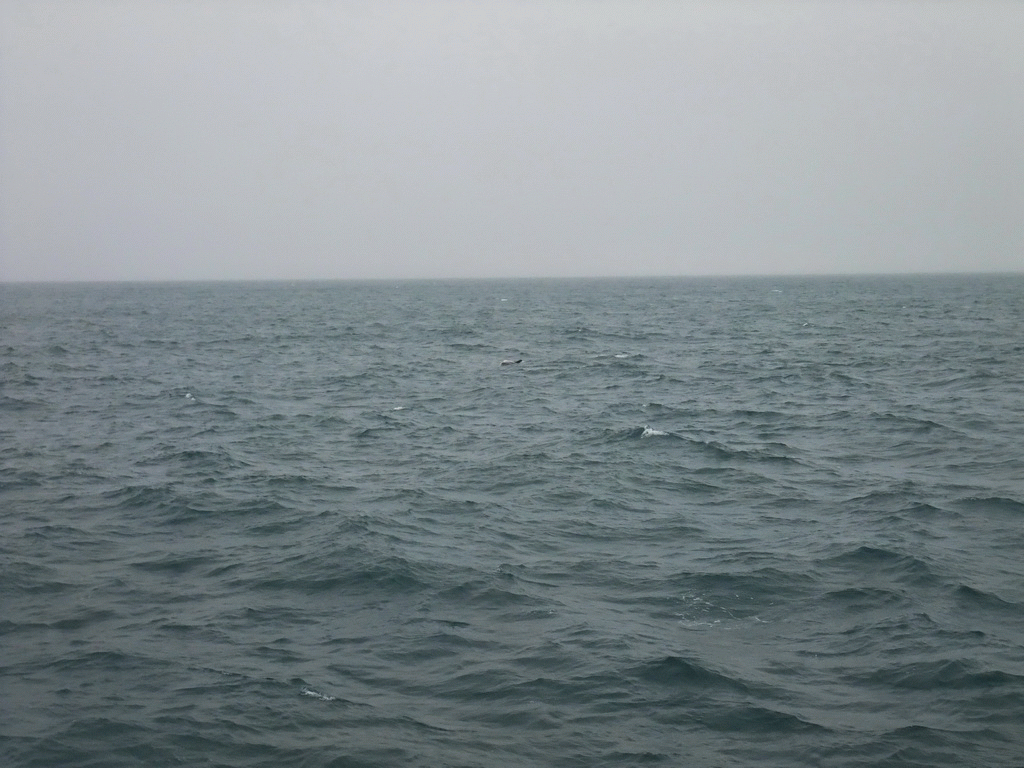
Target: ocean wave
{"type": "Point", "coordinates": [751, 719]}
{"type": "Point", "coordinates": [943, 675]}
{"type": "Point", "coordinates": [682, 674]}
{"type": "Point", "coordinates": [971, 598]}
{"type": "Point", "coordinates": [873, 562]}
{"type": "Point", "coordinates": [16, 404]}
{"type": "Point", "coordinates": [991, 504]}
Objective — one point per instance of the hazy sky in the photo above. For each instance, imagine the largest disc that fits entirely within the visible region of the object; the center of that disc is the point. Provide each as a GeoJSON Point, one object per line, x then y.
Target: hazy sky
{"type": "Point", "coordinates": [209, 139]}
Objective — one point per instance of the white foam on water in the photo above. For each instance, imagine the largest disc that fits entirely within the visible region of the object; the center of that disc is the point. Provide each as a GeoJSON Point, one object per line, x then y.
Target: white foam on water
{"type": "Point", "coordinates": [317, 695]}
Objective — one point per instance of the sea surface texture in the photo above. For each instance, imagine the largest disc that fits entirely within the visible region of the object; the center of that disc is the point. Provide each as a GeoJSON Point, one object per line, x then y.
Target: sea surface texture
{"type": "Point", "coordinates": [750, 522]}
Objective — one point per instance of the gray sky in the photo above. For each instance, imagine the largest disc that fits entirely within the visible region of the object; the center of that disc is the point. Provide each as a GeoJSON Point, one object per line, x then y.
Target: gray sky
{"type": "Point", "coordinates": [195, 139]}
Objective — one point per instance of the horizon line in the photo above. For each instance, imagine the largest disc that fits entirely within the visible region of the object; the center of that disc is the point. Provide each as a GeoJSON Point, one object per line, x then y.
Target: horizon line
{"type": "Point", "coordinates": [484, 278]}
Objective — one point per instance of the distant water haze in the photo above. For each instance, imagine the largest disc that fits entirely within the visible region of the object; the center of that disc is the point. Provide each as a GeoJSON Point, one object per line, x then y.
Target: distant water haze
{"type": "Point", "coordinates": [261, 140]}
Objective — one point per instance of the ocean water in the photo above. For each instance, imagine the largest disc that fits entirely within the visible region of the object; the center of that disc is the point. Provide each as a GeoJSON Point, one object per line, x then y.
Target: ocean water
{"type": "Point", "coordinates": [771, 522]}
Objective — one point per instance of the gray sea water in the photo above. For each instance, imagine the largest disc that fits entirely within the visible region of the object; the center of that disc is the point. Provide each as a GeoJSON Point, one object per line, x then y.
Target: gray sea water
{"type": "Point", "coordinates": [771, 522]}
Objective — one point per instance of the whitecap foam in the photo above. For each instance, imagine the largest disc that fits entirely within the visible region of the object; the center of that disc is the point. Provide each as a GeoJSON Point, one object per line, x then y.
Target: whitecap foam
{"type": "Point", "coordinates": [648, 432]}
{"type": "Point", "coordinates": [696, 624]}
{"type": "Point", "coordinates": [317, 695]}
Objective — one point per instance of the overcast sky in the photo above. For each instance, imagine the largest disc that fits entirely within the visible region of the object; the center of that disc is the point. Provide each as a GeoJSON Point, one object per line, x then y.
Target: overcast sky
{"type": "Point", "coordinates": [241, 139]}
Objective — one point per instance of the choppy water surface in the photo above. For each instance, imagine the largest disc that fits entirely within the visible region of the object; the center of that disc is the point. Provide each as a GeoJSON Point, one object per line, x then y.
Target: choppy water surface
{"type": "Point", "coordinates": [772, 522]}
